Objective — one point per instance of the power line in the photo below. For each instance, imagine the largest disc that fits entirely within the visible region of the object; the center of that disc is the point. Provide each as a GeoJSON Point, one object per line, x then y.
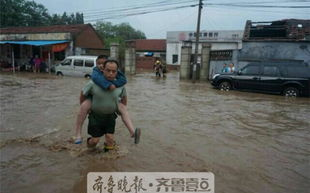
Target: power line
{"type": "Point", "coordinates": [149, 5]}
{"type": "Point", "coordinates": [142, 12]}
{"type": "Point", "coordinates": [132, 10]}
{"type": "Point", "coordinates": [157, 7]}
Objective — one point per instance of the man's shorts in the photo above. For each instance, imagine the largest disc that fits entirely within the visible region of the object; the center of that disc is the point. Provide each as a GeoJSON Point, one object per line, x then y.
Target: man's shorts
{"type": "Point", "coordinates": [100, 125]}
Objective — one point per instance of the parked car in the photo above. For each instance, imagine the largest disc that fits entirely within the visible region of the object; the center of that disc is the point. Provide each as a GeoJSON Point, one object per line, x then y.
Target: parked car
{"type": "Point", "coordinates": [287, 78]}
{"type": "Point", "coordinates": [76, 66]}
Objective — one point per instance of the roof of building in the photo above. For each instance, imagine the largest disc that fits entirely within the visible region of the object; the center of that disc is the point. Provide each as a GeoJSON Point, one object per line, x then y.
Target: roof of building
{"type": "Point", "coordinates": [149, 44]}
{"type": "Point", "coordinates": [281, 30]}
{"type": "Point", "coordinates": [45, 29]}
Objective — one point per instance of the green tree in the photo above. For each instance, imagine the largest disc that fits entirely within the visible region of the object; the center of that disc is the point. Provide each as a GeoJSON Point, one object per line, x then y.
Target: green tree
{"type": "Point", "coordinates": [110, 33]}
{"type": "Point", "coordinates": [79, 18]}
{"type": "Point", "coordinates": [117, 33]}
{"type": "Point", "coordinates": [30, 13]}
{"type": "Point", "coordinates": [35, 14]}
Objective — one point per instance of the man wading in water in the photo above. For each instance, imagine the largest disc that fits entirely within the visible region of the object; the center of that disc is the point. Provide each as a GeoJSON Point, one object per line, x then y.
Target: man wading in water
{"type": "Point", "coordinates": [104, 106]}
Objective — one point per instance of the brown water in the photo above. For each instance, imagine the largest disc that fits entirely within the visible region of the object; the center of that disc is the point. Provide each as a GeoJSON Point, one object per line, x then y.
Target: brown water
{"type": "Point", "coordinates": [252, 142]}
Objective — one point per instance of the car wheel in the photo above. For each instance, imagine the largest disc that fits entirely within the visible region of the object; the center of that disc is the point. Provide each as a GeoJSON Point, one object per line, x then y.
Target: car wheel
{"type": "Point", "coordinates": [59, 74]}
{"type": "Point", "coordinates": [225, 86]}
{"type": "Point", "coordinates": [291, 92]}
{"type": "Point", "coordinates": [87, 76]}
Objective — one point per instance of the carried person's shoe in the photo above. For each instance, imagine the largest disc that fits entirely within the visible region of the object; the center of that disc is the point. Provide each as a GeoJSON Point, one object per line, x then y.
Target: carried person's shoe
{"type": "Point", "coordinates": [137, 135]}
{"type": "Point", "coordinates": [78, 141]}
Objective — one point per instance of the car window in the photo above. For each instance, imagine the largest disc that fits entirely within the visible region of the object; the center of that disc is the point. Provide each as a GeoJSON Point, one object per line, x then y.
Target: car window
{"type": "Point", "coordinates": [250, 70]}
{"type": "Point", "coordinates": [271, 71]}
{"type": "Point", "coordinates": [78, 62]}
{"type": "Point", "coordinates": [298, 71]}
{"type": "Point", "coordinates": [89, 63]}
{"type": "Point", "coordinates": [66, 62]}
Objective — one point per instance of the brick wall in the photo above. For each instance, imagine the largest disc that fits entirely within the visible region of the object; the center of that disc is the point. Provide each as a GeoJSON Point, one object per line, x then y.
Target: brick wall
{"type": "Point", "coordinates": [89, 39]}
{"type": "Point", "coordinates": [145, 63]}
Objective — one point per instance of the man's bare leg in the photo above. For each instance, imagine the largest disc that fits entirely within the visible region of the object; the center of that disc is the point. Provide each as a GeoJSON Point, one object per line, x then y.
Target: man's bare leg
{"type": "Point", "coordinates": [84, 110]}
{"type": "Point", "coordinates": [126, 119]}
{"type": "Point", "coordinates": [92, 142]}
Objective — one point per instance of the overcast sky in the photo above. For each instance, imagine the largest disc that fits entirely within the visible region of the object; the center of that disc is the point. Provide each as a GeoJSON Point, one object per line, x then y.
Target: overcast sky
{"type": "Point", "coordinates": [176, 18]}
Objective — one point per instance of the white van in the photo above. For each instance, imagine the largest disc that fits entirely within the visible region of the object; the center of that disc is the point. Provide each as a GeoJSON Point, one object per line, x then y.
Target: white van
{"type": "Point", "coordinates": [76, 66]}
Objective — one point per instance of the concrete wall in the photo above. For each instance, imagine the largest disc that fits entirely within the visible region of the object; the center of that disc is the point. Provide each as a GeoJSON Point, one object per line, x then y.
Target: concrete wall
{"type": "Point", "coordinates": [205, 63]}
{"type": "Point", "coordinates": [275, 50]}
{"type": "Point", "coordinates": [172, 49]}
{"type": "Point", "coordinates": [185, 62]}
{"type": "Point", "coordinates": [175, 48]}
{"type": "Point", "coordinates": [114, 51]}
{"type": "Point", "coordinates": [130, 61]}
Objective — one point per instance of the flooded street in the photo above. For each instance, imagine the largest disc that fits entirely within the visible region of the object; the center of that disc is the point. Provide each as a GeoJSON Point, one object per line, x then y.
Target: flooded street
{"type": "Point", "coordinates": [253, 143]}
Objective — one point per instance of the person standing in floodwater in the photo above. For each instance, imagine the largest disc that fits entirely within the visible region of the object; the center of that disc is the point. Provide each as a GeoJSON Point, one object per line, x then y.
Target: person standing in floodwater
{"type": "Point", "coordinates": [225, 68]}
{"type": "Point", "coordinates": [109, 85]}
{"type": "Point", "coordinates": [104, 107]}
{"type": "Point", "coordinates": [158, 68]}
{"type": "Point", "coordinates": [231, 67]}
{"type": "Point", "coordinates": [37, 64]}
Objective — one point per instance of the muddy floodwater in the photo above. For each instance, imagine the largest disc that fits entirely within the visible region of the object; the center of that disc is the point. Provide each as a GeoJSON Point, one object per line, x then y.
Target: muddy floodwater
{"type": "Point", "coordinates": [253, 143]}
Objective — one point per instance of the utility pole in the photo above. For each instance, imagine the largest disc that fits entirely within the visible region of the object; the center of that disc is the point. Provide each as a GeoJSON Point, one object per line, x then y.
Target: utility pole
{"type": "Point", "coordinates": [196, 43]}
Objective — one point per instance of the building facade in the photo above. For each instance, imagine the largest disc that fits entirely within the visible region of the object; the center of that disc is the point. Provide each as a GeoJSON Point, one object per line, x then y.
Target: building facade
{"type": "Point", "coordinates": [283, 40]}
{"type": "Point", "coordinates": [222, 42]}
{"type": "Point", "coordinates": [51, 43]}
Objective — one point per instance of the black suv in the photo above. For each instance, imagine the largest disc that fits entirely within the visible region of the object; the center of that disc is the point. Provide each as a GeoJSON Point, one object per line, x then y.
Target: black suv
{"type": "Point", "coordinates": [289, 79]}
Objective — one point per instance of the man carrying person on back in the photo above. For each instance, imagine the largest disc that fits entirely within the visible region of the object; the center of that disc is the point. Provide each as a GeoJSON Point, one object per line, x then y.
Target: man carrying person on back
{"type": "Point", "coordinates": [108, 85]}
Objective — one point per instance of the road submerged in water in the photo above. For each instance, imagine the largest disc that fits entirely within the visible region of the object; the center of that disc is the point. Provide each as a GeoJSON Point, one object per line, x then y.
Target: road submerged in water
{"type": "Point", "coordinates": [253, 143]}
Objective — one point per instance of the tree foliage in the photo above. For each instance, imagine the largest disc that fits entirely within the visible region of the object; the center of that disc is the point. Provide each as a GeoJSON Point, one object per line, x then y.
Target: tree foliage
{"type": "Point", "coordinates": [30, 13]}
{"type": "Point", "coordinates": [110, 33]}
{"type": "Point", "coordinates": [117, 33]}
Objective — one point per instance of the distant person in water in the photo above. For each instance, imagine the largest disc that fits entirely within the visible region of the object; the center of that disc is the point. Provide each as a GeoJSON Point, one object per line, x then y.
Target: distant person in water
{"type": "Point", "coordinates": [225, 68]}
{"type": "Point", "coordinates": [37, 64]}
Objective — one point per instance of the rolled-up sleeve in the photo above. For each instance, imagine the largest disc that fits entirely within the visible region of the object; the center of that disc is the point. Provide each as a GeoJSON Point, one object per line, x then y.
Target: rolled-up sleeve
{"type": "Point", "coordinates": [87, 90]}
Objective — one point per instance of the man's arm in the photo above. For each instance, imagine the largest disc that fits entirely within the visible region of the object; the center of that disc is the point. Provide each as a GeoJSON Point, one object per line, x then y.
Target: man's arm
{"type": "Point", "coordinates": [124, 100]}
{"type": "Point", "coordinates": [120, 79]}
{"type": "Point", "coordinates": [99, 79]}
{"type": "Point", "coordinates": [82, 97]}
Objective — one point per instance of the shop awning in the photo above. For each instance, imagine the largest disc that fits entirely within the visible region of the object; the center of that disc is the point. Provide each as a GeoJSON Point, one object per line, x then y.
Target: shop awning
{"type": "Point", "coordinates": [35, 43]}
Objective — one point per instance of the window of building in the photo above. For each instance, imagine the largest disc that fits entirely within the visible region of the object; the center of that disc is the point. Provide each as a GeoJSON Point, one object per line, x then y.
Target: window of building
{"type": "Point", "coordinates": [216, 34]}
{"type": "Point", "coordinates": [221, 55]}
{"type": "Point", "coordinates": [205, 34]}
{"type": "Point", "coordinates": [78, 63]}
{"type": "Point", "coordinates": [190, 34]}
{"type": "Point", "coordinates": [174, 58]}
{"type": "Point", "coordinates": [235, 35]}
{"type": "Point", "coordinates": [210, 34]}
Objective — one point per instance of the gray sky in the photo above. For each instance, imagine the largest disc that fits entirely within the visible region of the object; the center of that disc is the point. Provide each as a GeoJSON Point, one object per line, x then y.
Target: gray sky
{"type": "Point", "coordinates": [156, 24]}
